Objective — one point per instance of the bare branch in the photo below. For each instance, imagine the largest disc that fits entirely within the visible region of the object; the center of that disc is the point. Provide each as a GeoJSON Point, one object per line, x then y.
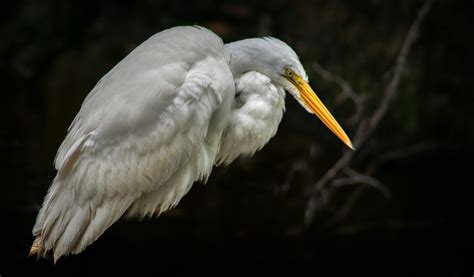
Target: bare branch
{"type": "Point", "coordinates": [355, 178]}
{"type": "Point", "coordinates": [346, 91]}
{"type": "Point", "coordinates": [340, 164]}
{"type": "Point", "coordinates": [346, 88]}
{"type": "Point", "coordinates": [348, 206]}
{"type": "Point", "coordinates": [298, 166]}
{"type": "Point", "coordinates": [391, 89]}
{"type": "Point", "coordinates": [358, 178]}
{"type": "Point", "coordinates": [400, 153]}
{"type": "Point", "coordinates": [366, 126]}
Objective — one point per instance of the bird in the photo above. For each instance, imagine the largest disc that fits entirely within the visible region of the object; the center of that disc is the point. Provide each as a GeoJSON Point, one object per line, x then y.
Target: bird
{"type": "Point", "coordinates": [177, 105]}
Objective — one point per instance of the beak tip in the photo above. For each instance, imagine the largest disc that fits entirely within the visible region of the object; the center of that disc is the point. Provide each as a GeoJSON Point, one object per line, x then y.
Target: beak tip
{"type": "Point", "coordinates": [313, 104]}
{"type": "Point", "coordinates": [349, 144]}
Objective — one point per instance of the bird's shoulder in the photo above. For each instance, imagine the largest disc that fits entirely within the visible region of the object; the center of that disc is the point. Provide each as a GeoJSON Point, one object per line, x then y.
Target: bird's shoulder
{"type": "Point", "coordinates": [186, 43]}
{"type": "Point", "coordinates": [161, 88]}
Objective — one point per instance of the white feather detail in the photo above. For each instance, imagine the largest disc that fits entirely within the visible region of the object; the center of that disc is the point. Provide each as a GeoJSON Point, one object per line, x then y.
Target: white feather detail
{"type": "Point", "coordinates": [155, 124]}
{"type": "Point", "coordinates": [255, 116]}
{"type": "Point", "coordinates": [146, 129]}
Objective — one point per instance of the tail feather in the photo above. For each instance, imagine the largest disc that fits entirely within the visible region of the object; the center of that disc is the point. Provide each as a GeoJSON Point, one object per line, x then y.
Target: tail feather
{"type": "Point", "coordinates": [66, 227]}
{"type": "Point", "coordinates": [66, 241]}
{"type": "Point", "coordinates": [103, 218]}
{"type": "Point", "coordinates": [37, 248]}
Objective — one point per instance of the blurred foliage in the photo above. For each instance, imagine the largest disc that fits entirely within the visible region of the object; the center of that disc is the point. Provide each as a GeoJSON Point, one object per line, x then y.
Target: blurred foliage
{"type": "Point", "coordinates": [53, 52]}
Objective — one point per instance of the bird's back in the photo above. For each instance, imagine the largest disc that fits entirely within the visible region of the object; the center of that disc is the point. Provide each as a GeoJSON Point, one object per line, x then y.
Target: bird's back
{"type": "Point", "coordinates": [144, 134]}
{"type": "Point", "coordinates": [148, 76]}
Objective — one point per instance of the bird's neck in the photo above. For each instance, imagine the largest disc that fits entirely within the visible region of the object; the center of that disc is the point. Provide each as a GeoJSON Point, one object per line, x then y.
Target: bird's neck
{"type": "Point", "coordinates": [245, 56]}
{"type": "Point", "coordinates": [257, 111]}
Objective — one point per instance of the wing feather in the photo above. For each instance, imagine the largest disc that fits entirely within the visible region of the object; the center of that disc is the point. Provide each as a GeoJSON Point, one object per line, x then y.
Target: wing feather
{"type": "Point", "coordinates": [148, 130]}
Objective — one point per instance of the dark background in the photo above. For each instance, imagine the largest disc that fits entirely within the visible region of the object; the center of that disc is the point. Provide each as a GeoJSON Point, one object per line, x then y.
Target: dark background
{"type": "Point", "coordinates": [249, 218]}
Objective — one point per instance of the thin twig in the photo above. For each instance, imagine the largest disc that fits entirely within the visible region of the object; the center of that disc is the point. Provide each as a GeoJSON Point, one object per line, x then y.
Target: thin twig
{"type": "Point", "coordinates": [355, 178]}
{"type": "Point", "coordinates": [359, 178]}
{"type": "Point", "coordinates": [298, 166]}
{"type": "Point", "coordinates": [346, 88]}
{"type": "Point", "coordinates": [347, 92]}
{"type": "Point", "coordinates": [347, 207]}
{"type": "Point", "coordinates": [340, 164]}
{"type": "Point", "coordinates": [400, 153]}
{"type": "Point", "coordinates": [368, 126]}
{"type": "Point", "coordinates": [391, 89]}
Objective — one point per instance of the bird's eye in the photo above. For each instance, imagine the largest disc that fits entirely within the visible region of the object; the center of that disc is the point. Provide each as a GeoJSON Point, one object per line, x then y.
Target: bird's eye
{"type": "Point", "coordinates": [289, 73]}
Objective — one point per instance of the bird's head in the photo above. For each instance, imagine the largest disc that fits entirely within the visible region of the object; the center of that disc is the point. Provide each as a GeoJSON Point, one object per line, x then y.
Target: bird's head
{"type": "Point", "coordinates": [295, 82]}
{"type": "Point", "coordinates": [277, 60]}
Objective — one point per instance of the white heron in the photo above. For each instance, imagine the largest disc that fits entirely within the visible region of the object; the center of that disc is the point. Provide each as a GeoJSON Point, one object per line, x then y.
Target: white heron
{"type": "Point", "coordinates": [178, 104]}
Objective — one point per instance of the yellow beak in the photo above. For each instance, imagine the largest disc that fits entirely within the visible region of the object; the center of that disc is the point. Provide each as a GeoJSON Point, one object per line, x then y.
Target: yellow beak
{"type": "Point", "coordinates": [312, 101]}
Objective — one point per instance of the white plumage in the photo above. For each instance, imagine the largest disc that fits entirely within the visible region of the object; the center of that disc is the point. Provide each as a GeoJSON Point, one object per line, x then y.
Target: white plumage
{"type": "Point", "coordinates": [257, 111]}
{"type": "Point", "coordinates": [178, 104]}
